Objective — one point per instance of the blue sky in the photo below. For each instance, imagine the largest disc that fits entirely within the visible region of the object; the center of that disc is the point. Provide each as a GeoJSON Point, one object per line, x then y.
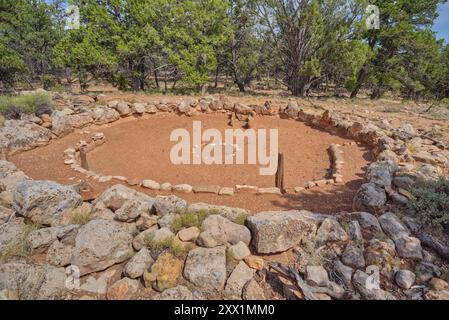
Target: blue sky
{"type": "Point", "coordinates": [442, 24]}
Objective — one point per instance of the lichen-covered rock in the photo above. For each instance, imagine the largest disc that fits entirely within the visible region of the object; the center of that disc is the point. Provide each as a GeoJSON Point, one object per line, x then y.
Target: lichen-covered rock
{"type": "Point", "coordinates": [44, 201]}
{"type": "Point", "coordinates": [165, 272]}
{"type": "Point", "coordinates": [220, 231]}
{"type": "Point", "coordinates": [227, 212]}
{"type": "Point", "coordinates": [176, 293]}
{"type": "Point", "coordinates": [405, 278]}
{"type": "Point", "coordinates": [361, 282]}
{"type": "Point", "coordinates": [370, 197]}
{"type": "Point", "coordinates": [138, 264]}
{"type": "Point", "coordinates": [237, 281]}
{"type": "Point", "coordinates": [33, 282]}
{"type": "Point", "coordinates": [101, 244]}
{"type": "Point", "coordinates": [132, 209]}
{"type": "Point", "coordinates": [392, 227]}
{"type": "Point", "coordinates": [353, 257]}
{"type": "Point", "coordinates": [168, 204]}
{"type": "Point", "coordinates": [124, 289]}
{"type": "Point", "coordinates": [103, 115]}
{"type": "Point", "coordinates": [61, 124]}
{"type": "Point", "coordinates": [23, 135]}
{"type": "Point", "coordinates": [253, 291]}
{"type": "Point", "coordinates": [331, 230]}
{"type": "Point", "coordinates": [206, 268]}
{"type": "Point", "coordinates": [116, 196]}
{"type": "Point", "coordinates": [275, 232]}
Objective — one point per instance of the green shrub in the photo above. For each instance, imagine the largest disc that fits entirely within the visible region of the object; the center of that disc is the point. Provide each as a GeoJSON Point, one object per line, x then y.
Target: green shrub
{"type": "Point", "coordinates": [26, 103]}
{"type": "Point", "coordinates": [431, 204]}
{"type": "Point", "coordinates": [170, 244]}
{"type": "Point", "coordinates": [190, 219]}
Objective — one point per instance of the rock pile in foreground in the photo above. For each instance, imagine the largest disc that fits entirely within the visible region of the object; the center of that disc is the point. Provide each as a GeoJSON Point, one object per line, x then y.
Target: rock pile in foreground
{"type": "Point", "coordinates": [127, 245]}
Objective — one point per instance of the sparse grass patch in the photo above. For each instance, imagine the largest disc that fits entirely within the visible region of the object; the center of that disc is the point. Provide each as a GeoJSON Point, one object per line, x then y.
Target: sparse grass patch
{"type": "Point", "coordinates": [80, 216]}
{"type": "Point", "coordinates": [26, 103]}
{"type": "Point", "coordinates": [177, 249]}
{"type": "Point", "coordinates": [241, 219]}
{"type": "Point", "coordinates": [190, 219]}
{"type": "Point", "coordinates": [19, 246]}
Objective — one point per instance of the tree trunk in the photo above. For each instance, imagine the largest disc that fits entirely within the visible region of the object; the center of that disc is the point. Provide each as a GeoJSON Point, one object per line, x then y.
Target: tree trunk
{"type": "Point", "coordinates": [360, 80]}
{"type": "Point", "coordinates": [217, 72]}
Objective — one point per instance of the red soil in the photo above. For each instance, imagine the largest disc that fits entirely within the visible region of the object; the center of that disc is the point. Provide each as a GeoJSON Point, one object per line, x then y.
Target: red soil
{"type": "Point", "coordinates": [140, 148]}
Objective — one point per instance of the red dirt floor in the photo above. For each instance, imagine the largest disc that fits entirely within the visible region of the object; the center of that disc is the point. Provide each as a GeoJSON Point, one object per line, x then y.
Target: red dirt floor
{"type": "Point", "coordinates": [140, 148]}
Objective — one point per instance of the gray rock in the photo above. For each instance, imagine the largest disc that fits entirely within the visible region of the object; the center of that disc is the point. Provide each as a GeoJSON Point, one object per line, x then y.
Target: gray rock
{"type": "Point", "coordinates": [330, 230]}
{"type": "Point", "coordinates": [275, 232]}
{"type": "Point", "coordinates": [43, 238]}
{"type": "Point", "coordinates": [103, 115]}
{"type": "Point", "coordinates": [59, 254]}
{"type": "Point", "coordinates": [138, 264]}
{"type": "Point", "coordinates": [220, 231]}
{"type": "Point", "coordinates": [370, 197]}
{"type": "Point", "coordinates": [18, 136]}
{"type": "Point", "coordinates": [11, 231]}
{"type": "Point", "coordinates": [139, 108]}
{"type": "Point", "coordinates": [116, 196]}
{"type": "Point", "coordinates": [176, 293]}
{"type": "Point", "coordinates": [253, 291]}
{"type": "Point", "coordinates": [139, 240]}
{"type": "Point", "coordinates": [353, 257]}
{"type": "Point", "coordinates": [344, 272]}
{"type": "Point", "coordinates": [237, 281]}
{"type": "Point", "coordinates": [10, 176]}
{"type": "Point", "coordinates": [162, 235]}
{"type": "Point", "coordinates": [227, 212]}
{"type": "Point", "coordinates": [317, 276]}
{"type": "Point", "coordinates": [370, 224]}
{"type": "Point", "coordinates": [189, 234]}
{"type": "Point", "coordinates": [408, 247]}
{"type": "Point", "coordinates": [291, 110]}
{"type": "Point", "coordinates": [5, 214]}
{"type": "Point", "coordinates": [123, 108]}
{"type": "Point", "coordinates": [404, 182]}
{"type": "Point", "coordinates": [168, 204]}
{"type": "Point", "coordinates": [405, 278]}
{"type": "Point", "coordinates": [132, 209]}
{"type": "Point", "coordinates": [124, 289]}
{"type": "Point", "coordinates": [101, 244]}
{"type": "Point", "coordinates": [239, 251]}
{"type": "Point", "coordinates": [167, 220]}
{"type": "Point", "coordinates": [206, 268]}
{"type": "Point", "coordinates": [146, 221]}
{"type": "Point", "coordinates": [392, 226]}
{"type": "Point", "coordinates": [33, 282]}
{"type": "Point", "coordinates": [43, 201]}
{"type": "Point", "coordinates": [355, 231]}
{"type": "Point", "coordinates": [61, 124]}
{"type": "Point", "coordinates": [381, 173]}
{"type": "Point", "coordinates": [360, 281]}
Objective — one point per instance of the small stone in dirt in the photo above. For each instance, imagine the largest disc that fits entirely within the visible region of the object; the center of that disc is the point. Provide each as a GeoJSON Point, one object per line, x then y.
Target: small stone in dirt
{"type": "Point", "coordinates": [226, 191]}
{"type": "Point", "coordinates": [150, 184]}
{"type": "Point", "coordinates": [166, 186]}
{"type": "Point", "coordinates": [438, 284]}
{"type": "Point", "coordinates": [184, 188]}
{"type": "Point", "coordinates": [206, 189]}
